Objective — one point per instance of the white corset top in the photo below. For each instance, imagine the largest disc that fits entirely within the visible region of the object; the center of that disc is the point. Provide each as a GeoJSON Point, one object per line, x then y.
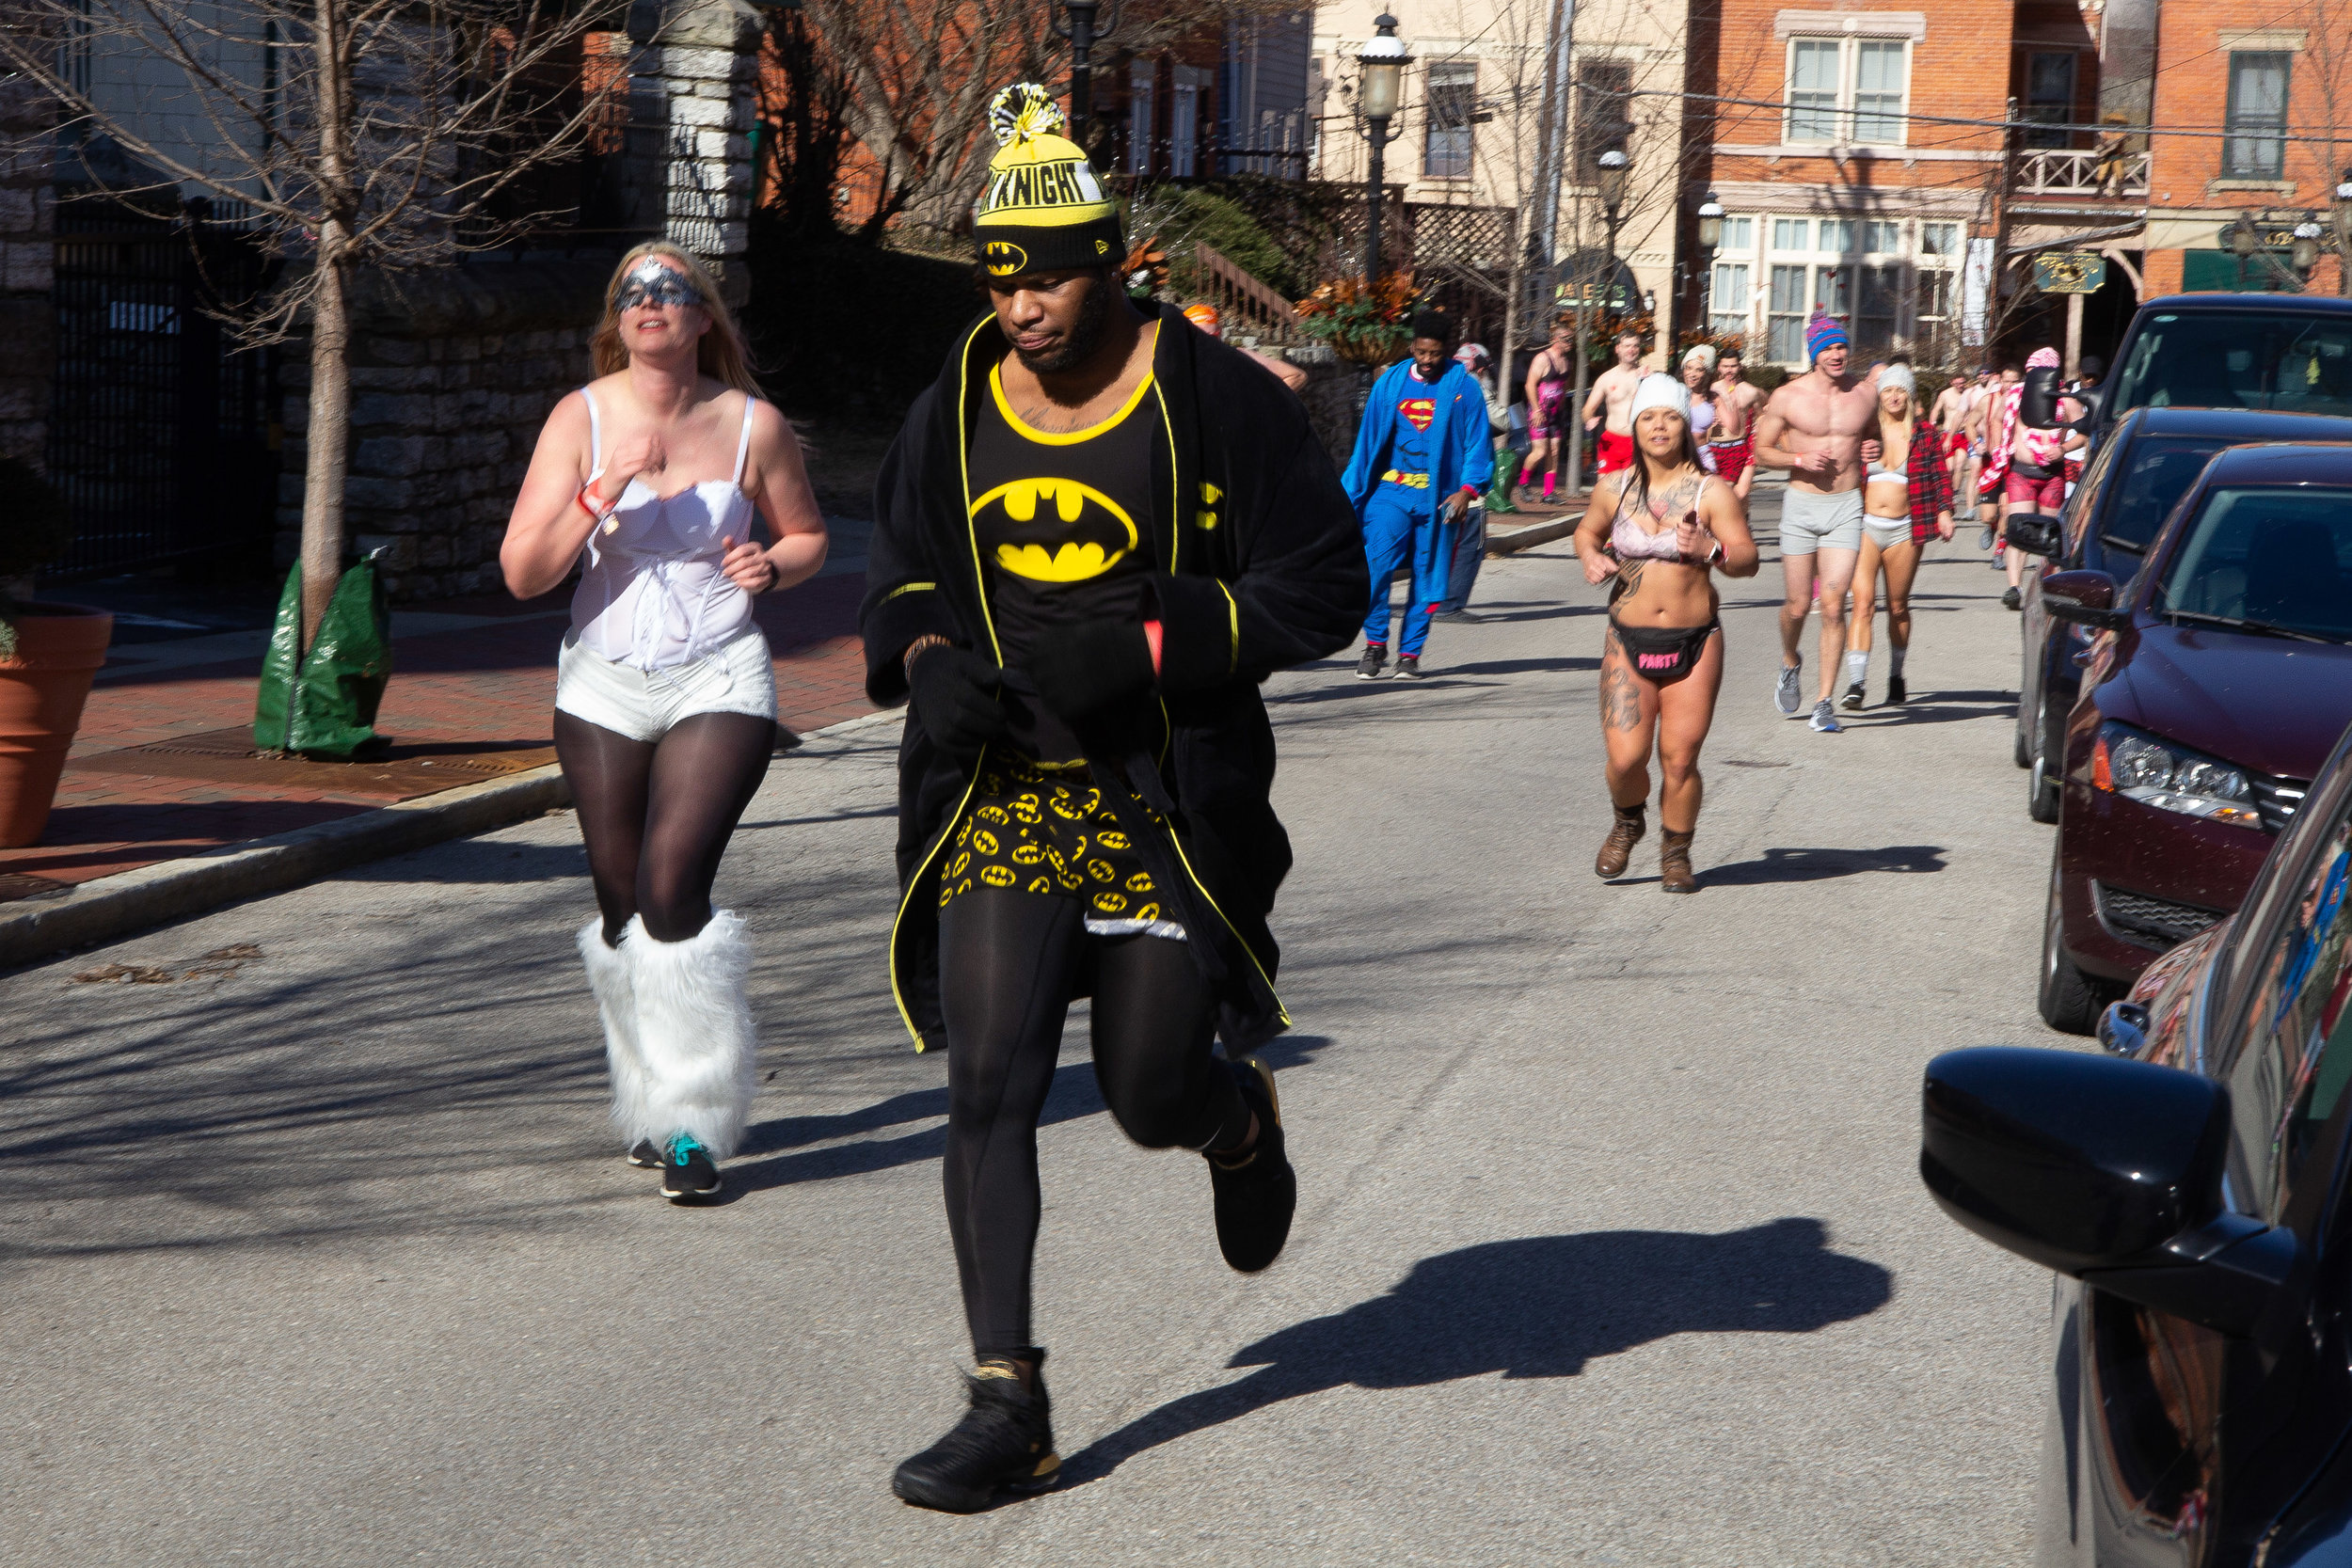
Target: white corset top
{"type": "Point", "coordinates": [652, 595]}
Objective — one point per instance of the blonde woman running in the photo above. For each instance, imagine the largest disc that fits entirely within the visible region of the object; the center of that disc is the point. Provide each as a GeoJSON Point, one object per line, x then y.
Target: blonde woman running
{"type": "Point", "coordinates": [1906, 500]}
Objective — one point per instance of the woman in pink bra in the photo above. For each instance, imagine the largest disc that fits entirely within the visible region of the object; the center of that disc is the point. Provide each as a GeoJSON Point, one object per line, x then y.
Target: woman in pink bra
{"type": "Point", "coordinates": [653, 478]}
{"type": "Point", "coordinates": [1661, 531]}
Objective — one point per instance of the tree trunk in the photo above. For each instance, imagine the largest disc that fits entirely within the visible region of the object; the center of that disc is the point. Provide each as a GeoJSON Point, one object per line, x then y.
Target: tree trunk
{"type": "Point", "coordinates": [329, 442]}
{"type": "Point", "coordinates": [329, 437]}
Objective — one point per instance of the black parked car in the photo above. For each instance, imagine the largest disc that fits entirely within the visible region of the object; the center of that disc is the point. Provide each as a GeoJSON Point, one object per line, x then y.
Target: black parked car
{"type": "Point", "coordinates": [2143, 466]}
{"type": "Point", "coordinates": [2191, 1201]}
{"type": "Point", "coordinates": [2287, 353]}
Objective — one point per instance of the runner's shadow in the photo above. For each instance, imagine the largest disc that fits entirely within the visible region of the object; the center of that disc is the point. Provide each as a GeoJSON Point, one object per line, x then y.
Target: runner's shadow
{"type": "Point", "coordinates": [1818, 866]}
{"type": "Point", "coordinates": [1538, 1307]}
{"type": "Point", "coordinates": [789, 1159]}
{"type": "Point", "coordinates": [1518, 666]}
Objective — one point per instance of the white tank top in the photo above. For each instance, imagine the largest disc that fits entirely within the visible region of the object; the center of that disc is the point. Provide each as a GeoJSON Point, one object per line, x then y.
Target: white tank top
{"type": "Point", "coordinates": [652, 595]}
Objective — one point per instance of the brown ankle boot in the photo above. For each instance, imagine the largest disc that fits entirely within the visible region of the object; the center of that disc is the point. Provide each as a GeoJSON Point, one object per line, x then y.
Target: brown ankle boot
{"type": "Point", "coordinates": [1617, 848]}
{"type": "Point", "coordinates": [1674, 863]}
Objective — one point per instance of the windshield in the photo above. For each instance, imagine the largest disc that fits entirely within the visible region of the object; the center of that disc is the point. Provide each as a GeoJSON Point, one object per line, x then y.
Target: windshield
{"type": "Point", "coordinates": [2278, 556]}
{"type": "Point", "coordinates": [2238, 359]}
{"type": "Point", "coordinates": [2156, 473]}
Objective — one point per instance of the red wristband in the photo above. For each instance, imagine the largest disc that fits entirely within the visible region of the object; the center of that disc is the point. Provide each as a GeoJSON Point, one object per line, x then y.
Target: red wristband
{"type": "Point", "coordinates": [1151, 635]}
{"type": "Point", "coordinates": [582, 500]}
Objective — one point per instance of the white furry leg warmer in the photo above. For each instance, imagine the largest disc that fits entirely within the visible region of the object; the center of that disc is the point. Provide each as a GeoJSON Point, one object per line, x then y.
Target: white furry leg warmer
{"type": "Point", "coordinates": [617, 1004]}
{"type": "Point", "coordinates": [694, 1032]}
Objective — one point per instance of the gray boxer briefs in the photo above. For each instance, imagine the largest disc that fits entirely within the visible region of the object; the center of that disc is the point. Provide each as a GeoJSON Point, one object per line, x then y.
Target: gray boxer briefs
{"type": "Point", "coordinates": [1810, 522]}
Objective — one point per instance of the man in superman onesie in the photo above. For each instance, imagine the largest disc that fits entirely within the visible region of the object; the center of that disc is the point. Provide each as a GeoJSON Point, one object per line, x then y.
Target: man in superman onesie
{"type": "Point", "coordinates": [1421, 456]}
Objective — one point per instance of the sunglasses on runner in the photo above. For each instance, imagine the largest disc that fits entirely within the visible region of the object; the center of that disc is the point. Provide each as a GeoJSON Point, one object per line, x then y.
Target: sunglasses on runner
{"type": "Point", "coordinates": [655, 284]}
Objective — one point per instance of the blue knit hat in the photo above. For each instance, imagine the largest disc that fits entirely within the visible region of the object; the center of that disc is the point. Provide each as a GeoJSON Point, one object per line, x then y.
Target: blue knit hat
{"type": "Point", "coordinates": [1822, 333]}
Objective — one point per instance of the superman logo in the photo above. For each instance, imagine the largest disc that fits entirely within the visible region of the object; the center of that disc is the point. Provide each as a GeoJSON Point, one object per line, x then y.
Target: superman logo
{"type": "Point", "coordinates": [1418, 412]}
{"type": "Point", "coordinates": [1056, 529]}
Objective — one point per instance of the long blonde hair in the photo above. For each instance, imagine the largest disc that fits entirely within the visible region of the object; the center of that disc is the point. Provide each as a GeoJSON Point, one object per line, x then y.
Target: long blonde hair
{"type": "Point", "coordinates": [720, 353]}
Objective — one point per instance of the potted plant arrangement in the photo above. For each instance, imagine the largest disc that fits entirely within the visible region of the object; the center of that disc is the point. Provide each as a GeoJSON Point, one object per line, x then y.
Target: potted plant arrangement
{"type": "Point", "coordinates": [1365, 325]}
{"type": "Point", "coordinates": [48, 653]}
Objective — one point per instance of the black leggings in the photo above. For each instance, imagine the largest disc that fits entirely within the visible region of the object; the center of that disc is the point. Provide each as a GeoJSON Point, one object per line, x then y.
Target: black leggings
{"type": "Point", "coordinates": [657, 815]}
{"type": "Point", "coordinates": [1007, 963]}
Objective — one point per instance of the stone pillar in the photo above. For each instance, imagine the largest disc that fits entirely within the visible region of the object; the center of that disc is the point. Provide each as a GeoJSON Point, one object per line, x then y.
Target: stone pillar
{"type": "Point", "coordinates": [693, 93]}
{"type": "Point", "coordinates": [29, 322]}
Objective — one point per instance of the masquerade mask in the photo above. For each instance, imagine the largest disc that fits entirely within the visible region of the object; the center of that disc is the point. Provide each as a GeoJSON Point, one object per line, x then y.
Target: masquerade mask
{"type": "Point", "coordinates": [653, 283]}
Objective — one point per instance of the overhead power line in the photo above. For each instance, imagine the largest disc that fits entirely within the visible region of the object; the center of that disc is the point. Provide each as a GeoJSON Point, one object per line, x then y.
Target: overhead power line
{"type": "Point", "coordinates": [2004, 124]}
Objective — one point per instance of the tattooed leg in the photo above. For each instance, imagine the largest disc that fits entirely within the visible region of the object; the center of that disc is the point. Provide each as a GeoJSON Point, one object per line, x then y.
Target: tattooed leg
{"type": "Point", "coordinates": [1629, 724]}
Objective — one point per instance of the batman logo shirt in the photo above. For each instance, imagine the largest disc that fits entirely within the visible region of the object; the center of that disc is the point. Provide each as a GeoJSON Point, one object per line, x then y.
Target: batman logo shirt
{"type": "Point", "coordinates": [1062, 522]}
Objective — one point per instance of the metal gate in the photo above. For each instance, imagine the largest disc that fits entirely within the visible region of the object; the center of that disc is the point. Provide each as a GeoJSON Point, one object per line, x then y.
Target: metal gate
{"type": "Point", "coordinates": [160, 432]}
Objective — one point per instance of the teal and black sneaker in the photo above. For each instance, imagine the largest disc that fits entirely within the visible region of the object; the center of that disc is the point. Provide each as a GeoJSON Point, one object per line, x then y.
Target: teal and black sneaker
{"type": "Point", "coordinates": [689, 1174]}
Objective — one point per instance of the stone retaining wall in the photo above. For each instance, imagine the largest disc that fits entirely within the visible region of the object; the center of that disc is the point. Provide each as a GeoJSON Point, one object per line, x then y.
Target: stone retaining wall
{"type": "Point", "coordinates": [450, 381]}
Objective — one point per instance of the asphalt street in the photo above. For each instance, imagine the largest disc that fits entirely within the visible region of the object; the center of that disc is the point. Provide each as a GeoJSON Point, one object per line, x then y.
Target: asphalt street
{"type": "Point", "coordinates": [1610, 1245]}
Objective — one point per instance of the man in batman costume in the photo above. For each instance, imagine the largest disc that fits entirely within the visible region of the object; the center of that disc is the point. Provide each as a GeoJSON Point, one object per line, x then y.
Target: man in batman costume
{"type": "Point", "coordinates": [1097, 532]}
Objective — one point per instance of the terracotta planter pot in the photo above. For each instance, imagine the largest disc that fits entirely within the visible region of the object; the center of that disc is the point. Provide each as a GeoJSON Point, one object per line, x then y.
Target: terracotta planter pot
{"type": "Point", "coordinates": [58, 650]}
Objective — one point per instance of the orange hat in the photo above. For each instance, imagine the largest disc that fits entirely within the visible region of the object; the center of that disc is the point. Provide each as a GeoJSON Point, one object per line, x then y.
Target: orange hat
{"type": "Point", "coordinates": [1203, 315]}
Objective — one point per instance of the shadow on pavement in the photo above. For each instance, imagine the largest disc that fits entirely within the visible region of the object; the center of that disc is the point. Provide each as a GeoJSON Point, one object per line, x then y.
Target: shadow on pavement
{"type": "Point", "coordinates": [1516, 666]}
{"type": "Point", "coordinates": [790, 1161]}
{"type": "Point", "coordinates": [1818, 865]}
{"type": "Point", "coordinates": [1538, 1307]}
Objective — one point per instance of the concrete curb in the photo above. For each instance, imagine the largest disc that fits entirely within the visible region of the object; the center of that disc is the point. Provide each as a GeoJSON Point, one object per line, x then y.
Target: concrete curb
{"type": "Point", "coordinates": [115, 906]}
{"type": "Point", "coordinates": [1521, 538]}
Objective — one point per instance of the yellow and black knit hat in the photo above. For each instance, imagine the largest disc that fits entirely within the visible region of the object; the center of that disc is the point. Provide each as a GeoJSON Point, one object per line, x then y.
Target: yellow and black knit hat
{"type": "Point", "coordinates": [1042, 208]}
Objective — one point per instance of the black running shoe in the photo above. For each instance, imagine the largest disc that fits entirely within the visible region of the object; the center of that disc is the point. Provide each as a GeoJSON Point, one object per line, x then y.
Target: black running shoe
{"type": "Point", "coordinates": [1368, 667]}
{"type": "Point", "coordinates": [1256, 1197]}
{"type": "Point", "coordinates": [689, 1174]}
{"type": "Point", "coordinates": [1855, 697]}
{"type": "Point", "coordinates": [1410, 666]}
{"type": "Point", "coordinates": [644, 1155]}
{"type": "Point", "coordinates": [2012, 599]}
{"type": "Point", "coordinates": [1005, 1443]}
{"type": "Point", "coordinates": [1896, 691]}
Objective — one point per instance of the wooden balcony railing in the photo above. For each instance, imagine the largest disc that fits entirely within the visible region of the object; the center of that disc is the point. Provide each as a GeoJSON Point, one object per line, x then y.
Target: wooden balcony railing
{"type": "Point", "coordinates": [1248, 307]}
{"type": "Point", "coordinates": [2081, 171]}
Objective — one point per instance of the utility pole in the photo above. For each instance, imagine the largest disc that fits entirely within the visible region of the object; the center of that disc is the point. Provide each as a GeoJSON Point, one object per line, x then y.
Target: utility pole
{"type": "Point", "coordinates": [1543, 230]}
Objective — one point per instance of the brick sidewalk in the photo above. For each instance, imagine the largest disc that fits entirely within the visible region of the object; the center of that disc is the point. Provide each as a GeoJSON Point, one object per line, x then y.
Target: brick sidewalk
{"type": "Point", "coordinates": [162, 766]}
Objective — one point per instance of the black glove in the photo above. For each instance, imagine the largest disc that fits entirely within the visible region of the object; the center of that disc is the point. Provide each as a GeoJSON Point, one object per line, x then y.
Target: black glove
{"type": "Point", "coordinates": [1081, 670]}
{"type": "Point", "coordinates": [952, 693]}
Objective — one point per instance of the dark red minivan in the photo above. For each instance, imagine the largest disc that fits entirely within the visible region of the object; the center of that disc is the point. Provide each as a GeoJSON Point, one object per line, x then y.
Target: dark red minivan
{"type": "Point", "coordinates": [2219, 681]}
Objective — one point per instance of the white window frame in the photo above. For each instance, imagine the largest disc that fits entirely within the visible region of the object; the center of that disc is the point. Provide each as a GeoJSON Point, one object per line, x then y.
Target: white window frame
{"type": "Point", "coordinates": [1844, 114]}
{"type": "Point", "coordinates": [1451, 73]}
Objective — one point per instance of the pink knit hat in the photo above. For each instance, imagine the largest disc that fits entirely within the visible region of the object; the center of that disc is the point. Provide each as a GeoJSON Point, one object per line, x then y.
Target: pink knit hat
{"type": "Point", "coordinates": [2043, 359]}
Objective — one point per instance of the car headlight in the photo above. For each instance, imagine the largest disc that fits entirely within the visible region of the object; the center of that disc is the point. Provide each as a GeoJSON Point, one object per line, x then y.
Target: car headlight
{"type": "Point", "coordinates": [2155, 772]}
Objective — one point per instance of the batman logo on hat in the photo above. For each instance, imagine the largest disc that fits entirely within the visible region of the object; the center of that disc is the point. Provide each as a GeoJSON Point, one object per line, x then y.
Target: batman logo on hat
{"type": "Point", "coordinates": [1003, 258]}
{"type": "Point", "coordinates": [1056, 529]}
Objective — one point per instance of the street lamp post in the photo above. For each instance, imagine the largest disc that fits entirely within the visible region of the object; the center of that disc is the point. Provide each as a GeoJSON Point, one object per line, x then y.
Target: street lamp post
{"type": "Point", "coordinates": [1082, 34]}
{"type": "Point", "coordinates": [1383, 59]}
{"type": "Point", "coordinates": [1711, 215]}
{"type": "Point", "coordinates": [2304, 251]}
{"type": "Point", "coordinates": [2244, 241]}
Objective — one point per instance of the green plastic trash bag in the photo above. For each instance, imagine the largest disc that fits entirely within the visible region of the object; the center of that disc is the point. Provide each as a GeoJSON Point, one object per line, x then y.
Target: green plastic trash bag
{"type": "Point", "coordinates": [324, 707]}
{"type": "Point", "coordinates": [1498, 496]}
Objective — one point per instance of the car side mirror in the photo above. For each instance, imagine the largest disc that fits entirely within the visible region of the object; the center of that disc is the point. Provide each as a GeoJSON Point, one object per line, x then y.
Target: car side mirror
{"type": "Point", "coordinates": [2034, 535]}
{"type": "Point", "coordinates": [2108, 1171]}
{"type": "Point", "coordinates": [2086, 598]}
{"type": "Point", "coordinates": [2038, 403]}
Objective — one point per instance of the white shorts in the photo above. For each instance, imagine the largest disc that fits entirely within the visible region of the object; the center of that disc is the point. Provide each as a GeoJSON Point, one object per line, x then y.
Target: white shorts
{"type": "Point", "coordinates": [1886, 532]}
{"type": "Point", "coordinates": [1810, 522]}
{"type": "Point", "coordinates": [641, 704]}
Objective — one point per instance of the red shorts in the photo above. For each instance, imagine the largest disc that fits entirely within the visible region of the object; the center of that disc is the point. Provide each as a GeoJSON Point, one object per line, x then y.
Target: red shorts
{"type": "Point", "coordinates": [1732, 457]}
{"type": "Point", "coordinates": [2049, 495]}
{"type": "Point", "coordinates": [1956, 443]}
{"type": "Point", "coordinates": [1615, 452]}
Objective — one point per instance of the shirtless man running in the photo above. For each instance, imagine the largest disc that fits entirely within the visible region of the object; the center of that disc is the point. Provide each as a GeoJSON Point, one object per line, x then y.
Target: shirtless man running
{"type": "Point", "coordinates": [1821, 426]}
{"type": "Point", "coordinates": [1615, 389]}
{"type": "Point", "coordinates": [1731, 439]}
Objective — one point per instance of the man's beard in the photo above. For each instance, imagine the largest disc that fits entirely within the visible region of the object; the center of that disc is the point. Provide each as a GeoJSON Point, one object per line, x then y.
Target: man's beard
{"type": "Point", "coordinates": [1085, 335]}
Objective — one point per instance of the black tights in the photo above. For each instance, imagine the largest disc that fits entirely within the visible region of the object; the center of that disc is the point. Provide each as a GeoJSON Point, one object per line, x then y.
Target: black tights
{"type": "Point", "coordinates": [1007, 963]}
{"type": "Point", "coordinates": [657, 815]}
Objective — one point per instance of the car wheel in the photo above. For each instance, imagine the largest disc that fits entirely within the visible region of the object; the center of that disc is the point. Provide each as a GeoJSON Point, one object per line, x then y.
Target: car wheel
{"type": "Point", "coordinates": [2071, 1001]}
{"type": "Point", "coordinates": [2020, 748]}
{"type": "Point", "coordinates": [2041, 784]}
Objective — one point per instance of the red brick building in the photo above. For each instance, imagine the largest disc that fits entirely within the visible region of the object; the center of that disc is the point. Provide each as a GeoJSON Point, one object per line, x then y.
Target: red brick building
{"type": "Point", "coordinates": [1848, 153]}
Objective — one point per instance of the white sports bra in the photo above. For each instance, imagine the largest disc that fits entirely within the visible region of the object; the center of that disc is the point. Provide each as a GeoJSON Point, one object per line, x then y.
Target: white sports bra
{"type": "Point", "coordinates": [653, 595]}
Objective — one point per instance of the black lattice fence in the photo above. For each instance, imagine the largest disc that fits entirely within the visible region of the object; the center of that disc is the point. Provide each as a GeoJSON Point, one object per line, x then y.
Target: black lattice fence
{"type": "Point", "coordinates": [159, 430]}
{"type": "Point", "coordinates": [1462, 260]}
